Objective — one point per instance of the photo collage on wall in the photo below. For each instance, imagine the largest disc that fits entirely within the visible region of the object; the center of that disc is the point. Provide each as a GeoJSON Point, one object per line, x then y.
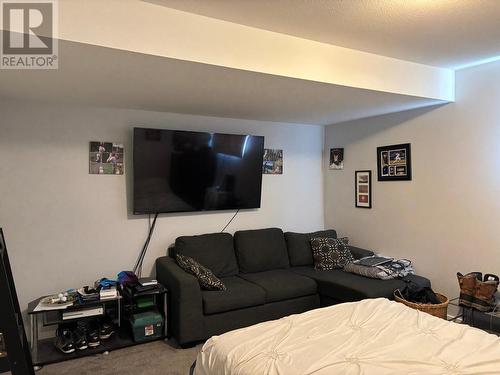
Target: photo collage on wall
{"type": "Point", "coordinates": [394, 162]}
{"type": "Point", "coordinates": [106, 158]}
{"type": "Point", "coordinates": [273, 161]}
{"type": "Point", "coordinates": [363, 189]}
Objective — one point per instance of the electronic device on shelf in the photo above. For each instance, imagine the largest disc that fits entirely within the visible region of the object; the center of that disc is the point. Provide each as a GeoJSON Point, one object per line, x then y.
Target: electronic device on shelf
{"type": "Point", "coordinates": [82, 313]}
{"type": "Point", "coordinates": [131, 290]}
{"type": "Point", "coordinates": [179, 171]}
{"type": "Point", "coordinates": [108, 293]}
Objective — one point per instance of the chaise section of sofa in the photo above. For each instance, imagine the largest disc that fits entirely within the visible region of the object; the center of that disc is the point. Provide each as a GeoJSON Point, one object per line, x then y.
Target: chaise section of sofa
{"type": "Point", "coordinates": [337, 286]}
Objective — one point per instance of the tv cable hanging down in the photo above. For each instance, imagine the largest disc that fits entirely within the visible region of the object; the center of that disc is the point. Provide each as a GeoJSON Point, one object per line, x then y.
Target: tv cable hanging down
{"type": "Point", "coordinates": [140, 259]}
{"type": "Point", "coordinates": [229, 222]}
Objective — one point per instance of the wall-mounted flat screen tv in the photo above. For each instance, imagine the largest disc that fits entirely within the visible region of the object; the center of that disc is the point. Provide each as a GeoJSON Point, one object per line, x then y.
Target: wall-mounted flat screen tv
{"type": "Point", "coordinates": [181, 171]}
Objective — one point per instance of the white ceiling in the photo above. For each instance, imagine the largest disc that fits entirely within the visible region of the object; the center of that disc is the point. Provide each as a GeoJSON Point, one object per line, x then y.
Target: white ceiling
{"type": "Point", "coordinates": [99, 76]}
{"type": "Point", "coordinates": [444, 33]}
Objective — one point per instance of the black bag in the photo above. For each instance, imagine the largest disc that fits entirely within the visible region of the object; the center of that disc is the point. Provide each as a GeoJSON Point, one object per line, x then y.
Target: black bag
{"type": "Point", "coordinates": [414, 292]}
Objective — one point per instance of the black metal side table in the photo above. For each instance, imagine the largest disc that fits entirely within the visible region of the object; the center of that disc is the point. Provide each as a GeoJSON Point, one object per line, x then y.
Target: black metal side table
{"type": "Point", "coordinates": [44, 352]}
{"type": "Point", "coordinates": [488, 321]}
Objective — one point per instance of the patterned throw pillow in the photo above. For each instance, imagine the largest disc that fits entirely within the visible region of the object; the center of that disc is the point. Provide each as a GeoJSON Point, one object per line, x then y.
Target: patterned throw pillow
{"type": "Point", "coordinates": [330, 253]}
{"type": "Point", "coordinates": [205, 277]}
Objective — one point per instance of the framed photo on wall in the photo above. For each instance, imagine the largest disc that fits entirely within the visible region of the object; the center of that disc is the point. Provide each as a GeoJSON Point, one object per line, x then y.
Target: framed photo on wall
{"type": "Point", "coordinates": [337, 158]}
{"type": "Point", "coordinates": [394, 162]}
{"type": "Point", "coordinates": [273, 161]}
{"type": "Point", "coordinates": [363, 189]}
{"type": "Point", "coordinates": [106, 158]}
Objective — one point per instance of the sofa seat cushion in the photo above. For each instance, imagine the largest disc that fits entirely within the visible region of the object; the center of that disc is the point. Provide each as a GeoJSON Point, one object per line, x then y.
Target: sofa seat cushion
{"type": "Point", "coordinates": [282, 284]}
{"type": "Point", "coordinates": [299, 246]}
{"type": "Point", "coordinates": [347, 287]}
{"type": "Point", "coordinates": [214, 251]}
{"type": "Point", "coordinates": [239, 294]}
{"type": "Point", "coordinates": [261, 250]}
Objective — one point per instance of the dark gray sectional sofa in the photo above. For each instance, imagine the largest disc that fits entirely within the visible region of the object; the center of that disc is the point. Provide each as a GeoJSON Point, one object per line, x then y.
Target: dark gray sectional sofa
{"type": "Point", "coordinates": [268, 274]}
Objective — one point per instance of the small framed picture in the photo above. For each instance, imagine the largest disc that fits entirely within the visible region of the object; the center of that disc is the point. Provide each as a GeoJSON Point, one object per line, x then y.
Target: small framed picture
{"type": "Point", "coordinates": [394, 162]}
{"type": "Point", "coordinates": [363, 189]}
{"type": "Point", "coordinates": [106, 158]}
{"type": "Point", "coordinates": [337, 158]}
{"type": "Point", "coordinates": [273, 161]}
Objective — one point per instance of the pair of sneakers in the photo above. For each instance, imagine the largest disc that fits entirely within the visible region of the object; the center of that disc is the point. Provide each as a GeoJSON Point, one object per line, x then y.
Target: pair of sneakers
{"type": "Point", "coordinates": [477, 291]}
{"type": "Point", "coordinates": [83, 334]}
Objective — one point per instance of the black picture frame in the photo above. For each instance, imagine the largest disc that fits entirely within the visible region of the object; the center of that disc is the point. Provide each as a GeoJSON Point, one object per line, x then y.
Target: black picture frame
{"type": "Point", "coordinates": [394, 162]}
{"type": "Point", "coordinates": [366, 185]}
{"type": "Point", "coordinates": [336, 159]}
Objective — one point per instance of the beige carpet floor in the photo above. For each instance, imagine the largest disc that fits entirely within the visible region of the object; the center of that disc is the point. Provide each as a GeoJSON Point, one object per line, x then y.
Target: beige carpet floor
{"type": "Point", "coordinates": [155, 358]}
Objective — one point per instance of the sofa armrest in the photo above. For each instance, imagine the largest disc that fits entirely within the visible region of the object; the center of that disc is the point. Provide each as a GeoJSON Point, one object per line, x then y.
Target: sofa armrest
{"type": "Point", "coordinates": [186, 309]}
{"type": "Point", "coordinates": [359, 253]}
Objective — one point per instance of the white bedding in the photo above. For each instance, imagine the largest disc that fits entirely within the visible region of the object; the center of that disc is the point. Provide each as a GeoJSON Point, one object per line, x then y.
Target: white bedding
{"type": "Point", "coordinates": [373, 336]}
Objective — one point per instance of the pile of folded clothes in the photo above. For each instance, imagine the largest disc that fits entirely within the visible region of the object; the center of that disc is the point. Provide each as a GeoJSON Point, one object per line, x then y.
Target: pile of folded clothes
{"type": "Point", "coordinates": [379, 267]}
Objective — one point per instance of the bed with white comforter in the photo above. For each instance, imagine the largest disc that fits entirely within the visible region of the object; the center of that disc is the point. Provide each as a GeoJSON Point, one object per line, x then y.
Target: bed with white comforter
{"type": "Point", "coordinates": [373, 336]}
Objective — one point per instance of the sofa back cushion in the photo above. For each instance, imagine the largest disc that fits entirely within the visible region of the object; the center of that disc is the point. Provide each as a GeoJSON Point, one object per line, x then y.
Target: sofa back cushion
{"type": "Point", "coordinates": [299, 246]}
{"type": "Point", "coordinates": [214, 251]}
{"type": "Point", "coordinates": [261, 250]}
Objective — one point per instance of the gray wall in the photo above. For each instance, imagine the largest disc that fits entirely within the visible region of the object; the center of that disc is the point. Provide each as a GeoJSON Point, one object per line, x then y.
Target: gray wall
{"type": "Point", "coordinates": [65, 228]}
{"type": "Point", "coordinates": [447, 219]}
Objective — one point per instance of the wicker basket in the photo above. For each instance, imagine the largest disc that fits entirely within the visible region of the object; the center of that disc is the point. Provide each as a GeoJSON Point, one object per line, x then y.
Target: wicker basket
{"type": "Point", "coordinates": [439, 310]}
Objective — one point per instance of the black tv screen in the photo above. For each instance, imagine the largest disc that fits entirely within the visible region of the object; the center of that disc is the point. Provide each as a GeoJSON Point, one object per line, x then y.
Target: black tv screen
{"type": "Point", "coordinates": [180, 171]}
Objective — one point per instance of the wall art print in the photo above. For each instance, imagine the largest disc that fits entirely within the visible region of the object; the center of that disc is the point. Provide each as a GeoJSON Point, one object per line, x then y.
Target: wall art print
{"type": "Point", "coordinates": [273, 161]}
{"type": "Point", "coordinates": [337, 158]}
{"type": "Point", "coordinates": [394, 162]}
{"type": "Point", "coordinates": [106, 158]}
{"type": "Point", "coordinates": [363, 189]}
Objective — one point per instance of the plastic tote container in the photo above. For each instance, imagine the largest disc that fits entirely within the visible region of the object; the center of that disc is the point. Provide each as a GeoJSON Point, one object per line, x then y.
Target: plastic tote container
{"type": "Point", "coordinates": [146, 326]}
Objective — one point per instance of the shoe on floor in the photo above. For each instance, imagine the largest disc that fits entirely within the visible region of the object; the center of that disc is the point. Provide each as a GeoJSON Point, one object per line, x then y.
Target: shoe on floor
{"type": "Point", "coordinates": [107, 328]}
{"type": "Point", "coordinates": [80, 336]}
{"type": "Point", "coordinates": [64, 340]}
{"type": "Point", "coordinates": [93, 334]}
